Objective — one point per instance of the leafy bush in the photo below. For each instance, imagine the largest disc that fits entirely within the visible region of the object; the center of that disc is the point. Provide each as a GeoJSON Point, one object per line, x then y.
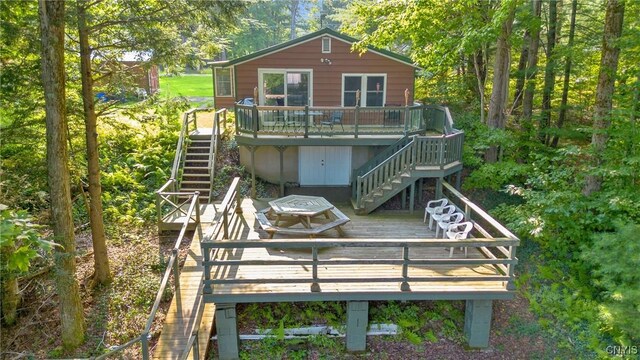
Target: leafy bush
{"type": "Point", "coordinates": [615, 258]}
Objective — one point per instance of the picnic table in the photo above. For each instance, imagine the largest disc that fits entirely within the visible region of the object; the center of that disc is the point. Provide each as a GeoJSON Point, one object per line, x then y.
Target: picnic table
{"type": "Point", "coordinates": [314, 213]}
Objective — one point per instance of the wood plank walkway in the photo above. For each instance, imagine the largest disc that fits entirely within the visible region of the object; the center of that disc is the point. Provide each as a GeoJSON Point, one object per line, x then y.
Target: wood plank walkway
{"type": "Point", "coordinates": [181, 314]}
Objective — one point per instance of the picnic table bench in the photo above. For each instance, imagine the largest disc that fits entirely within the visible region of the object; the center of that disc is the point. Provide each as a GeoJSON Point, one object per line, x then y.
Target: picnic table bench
{"type": "Point", "coordinates": [334, 219]}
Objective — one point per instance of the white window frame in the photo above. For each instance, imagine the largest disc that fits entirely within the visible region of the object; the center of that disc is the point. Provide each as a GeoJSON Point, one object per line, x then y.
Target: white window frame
{"type": "Point", "coordinates": [262, 71]}
{"type": "Point", "coordinates": [363, 85]}
{"type": "Point", "coordinates": [215, 77]}
{"type": "Point", "coordinates": [328, 49]}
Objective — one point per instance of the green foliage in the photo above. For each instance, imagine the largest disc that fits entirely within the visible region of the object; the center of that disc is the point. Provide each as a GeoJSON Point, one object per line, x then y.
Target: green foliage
{"type": "Point", "coordinates": [421, 321]}
{"type": "Point", "coordinates": [20, 242]}
{"type": "Point", "coordinates": [136, 160]}
{"type": "Point", "coordinates": [615, 258]}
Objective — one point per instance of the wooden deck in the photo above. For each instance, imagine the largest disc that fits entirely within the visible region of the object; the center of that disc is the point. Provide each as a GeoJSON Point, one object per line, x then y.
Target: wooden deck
{"type": "Point", "coordinates": [181, 314]}
{"type": "Point", "coordinates": [242, 279]}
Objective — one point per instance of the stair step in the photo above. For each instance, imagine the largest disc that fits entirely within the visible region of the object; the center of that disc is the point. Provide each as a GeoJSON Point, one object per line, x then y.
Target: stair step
{"type": "Point", "coordinates": [187, 182]}
{"type": "Point", "coordinates": [195, 175]}
{"type": "Point", "coordinates": [204, 157]}
{"type": "Point", "coordinates": [195, 170]}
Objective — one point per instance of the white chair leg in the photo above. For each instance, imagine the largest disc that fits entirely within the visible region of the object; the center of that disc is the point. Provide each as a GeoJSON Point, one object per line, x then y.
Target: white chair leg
{"type": "Point", "coordinates": [430, 222]}
{"type": "Point", "coordinates": [451, 252]}
{"type": "Point", "coordinates": [425, 216]}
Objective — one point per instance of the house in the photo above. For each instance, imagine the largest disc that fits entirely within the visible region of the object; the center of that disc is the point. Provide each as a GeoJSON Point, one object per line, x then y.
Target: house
{"type": "Point", "coordinates": [320, 69]}
{"type": "Point", "coordinates": [143, 73]}
{"type": "Point", "coordinates": [314, 112]}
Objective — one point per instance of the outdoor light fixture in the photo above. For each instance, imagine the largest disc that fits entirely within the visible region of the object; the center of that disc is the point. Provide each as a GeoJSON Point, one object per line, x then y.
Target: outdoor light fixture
{"type": "Point", "coordinates": [325, 61]}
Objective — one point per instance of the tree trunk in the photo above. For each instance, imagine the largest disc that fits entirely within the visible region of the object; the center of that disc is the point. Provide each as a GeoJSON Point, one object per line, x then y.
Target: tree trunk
{"type": "Point", "coordinates": [53, 81]}
{"type": "Point", "coordinates": [294, 16]}
{"type": "Point", "coordinates": [10, 299]}
{"type": "Point", "coordinates": [532, 64]}
{"type": "Point", "coordinates": [522, 71]}
{"type": "Point", "coordinates": [500, 91]}
{"type": "Point", "coordinates": [567, 73]}
{"type": "Point", "coordinates": [604, 91]}
{"type": "Point", "coordinates": [101, 273]}
{"type": "Point", "coordinates": [481, 77]}
{"type": "Point", "coordinates": [549, 74]}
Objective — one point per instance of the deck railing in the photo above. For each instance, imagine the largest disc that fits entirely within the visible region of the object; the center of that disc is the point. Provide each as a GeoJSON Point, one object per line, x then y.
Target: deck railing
{"type": "Point", "coordinates": [173, 269]}
{"type": "Point", "coordinates": [499, 251]}
{"type": "Point", "coordinates": [486, 227]}
{"type": "Point", "coordinates": [308, 121]}
{"type": "Point", "coordinates": [219, 118]}
{"type": "Point", "coordinates": [227, 214]}
{"type": "Point", "coordinates": [438, 151]}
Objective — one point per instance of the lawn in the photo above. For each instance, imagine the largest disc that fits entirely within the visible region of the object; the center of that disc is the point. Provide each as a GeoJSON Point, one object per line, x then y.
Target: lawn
{"type": "Point", "coordinates": [189, 85]}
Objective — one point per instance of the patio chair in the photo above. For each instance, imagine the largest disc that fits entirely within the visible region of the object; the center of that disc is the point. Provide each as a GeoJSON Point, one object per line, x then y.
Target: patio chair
{"type": "Point", "coordinates": [431, 207]}
{"type": "Point", "coordinates": [459, 231]}
{"type": "Point", "coordinates": [441, 211]}
{"type": "Point", "coordinates": [335, 118]}
{"type": "Point", "coordinates": [447, 220]}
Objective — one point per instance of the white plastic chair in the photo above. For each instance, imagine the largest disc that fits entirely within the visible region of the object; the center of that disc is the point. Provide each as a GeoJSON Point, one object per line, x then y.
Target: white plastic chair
{"type": "Point", "coordinates": [441, 211]}
{"type": "Point", "coordinates": [447, 220]}
{"type": "Point", "coordinates": [459, 231]}
{"type": "Point", "coordinates": [431, 207]}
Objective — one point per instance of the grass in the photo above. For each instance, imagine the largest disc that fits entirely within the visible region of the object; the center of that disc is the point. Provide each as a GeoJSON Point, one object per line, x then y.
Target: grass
{"type": "Point", "coordinates": [188, 85]}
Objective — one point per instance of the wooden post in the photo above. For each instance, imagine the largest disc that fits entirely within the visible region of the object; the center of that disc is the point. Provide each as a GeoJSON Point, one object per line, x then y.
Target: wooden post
{"type": "Point", "coordinates": [281, 149]}
{"type": "Point", "coordinates": [477, 322]}
{"type": "Point", "coordinates": [405, 269]}
{"type": "Point", "coordinates": [357, 114]}
{"type": "Point", "coordinates": [357, 323]}
{"type": "Point", "coordinates": [458, 180]}
{"type": "Point", "coordinates": [419, 192]}
{"type": "Point", "coordinates": [439, 188]}
{"type": "Point", "coordinates": [315, 287]}
{"type": "Point", "coordinates": [254, 120]}
{"type": "Point", "coordinates": [227, 331]}
{"type": "Point", "coordinates": [306, 121]}
{"type": "Point", "coordinates": [253, 171]}
{"type": "Point", "coordinates": [412, 197]}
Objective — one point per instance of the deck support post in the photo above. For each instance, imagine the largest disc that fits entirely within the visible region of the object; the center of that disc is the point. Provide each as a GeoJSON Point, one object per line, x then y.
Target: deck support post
{"type": "Point", "coordinates": [412, 197]}
{"type": "Point", "coordinates": [357, 323]}
{"type": "Point", "coordinates": [227, 331]}
{"type": "Point", "coordinates": [281, 150]}
{"type": "Point", "coordinates": [458, 180]}
{"type": "Point", "coordinates": [439, 188]}
{"type": "Point", "coordinates": [477, 322]}
{"type": "Point", "coordinates": [253, 170]}
{"type": "Point", "coordinates": [419, 194]}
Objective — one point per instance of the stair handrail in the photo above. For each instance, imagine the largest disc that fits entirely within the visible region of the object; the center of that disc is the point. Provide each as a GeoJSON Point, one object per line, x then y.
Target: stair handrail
{"type": "Point", "coordinates": [382, 179]}
{"type": "Point", "coordinates": [214, 145]}
{"type": "Point", "coordinates": [380, 157]}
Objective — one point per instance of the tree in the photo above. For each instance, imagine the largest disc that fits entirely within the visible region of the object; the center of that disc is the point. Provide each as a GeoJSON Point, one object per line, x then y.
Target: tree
{"type": "Point", "coordinates": [532, 63]}
{"type": "Point", "coordinates": [133, 27]}
{"type": "Point", "coordinates": [549, 74]}
{"type": "Point", "coordinates": [52, 15]}
{"type": "Point", "coordinates": [101, 274]}
{"type": "Point", "coordinates": [500, 91]}
{"type": "Point", "coordinates": [614, 17]}
{"type": "Point", "coordinates": [567, 73]}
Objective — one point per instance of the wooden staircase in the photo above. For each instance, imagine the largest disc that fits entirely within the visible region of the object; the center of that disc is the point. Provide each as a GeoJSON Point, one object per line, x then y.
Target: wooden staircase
{"type": "Point", "coordinates": [196, 172]}
{"type": "Point", "coordinates": [406, 162]}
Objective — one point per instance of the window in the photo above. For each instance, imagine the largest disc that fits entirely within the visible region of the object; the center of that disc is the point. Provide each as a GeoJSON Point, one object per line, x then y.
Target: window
{"type": "Point", "coordinates": [372, 89]}
{"type": "Point", "coordinates": [223, 82]}
{"type": "Point", "coordinates": [282, 87]}
{"type": "Point", "coordinates": [326, 45]}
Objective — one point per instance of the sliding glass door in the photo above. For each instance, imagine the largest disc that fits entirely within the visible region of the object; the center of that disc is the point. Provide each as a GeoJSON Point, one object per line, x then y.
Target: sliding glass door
{"type": "Point", "coordinates": [285, 87]}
